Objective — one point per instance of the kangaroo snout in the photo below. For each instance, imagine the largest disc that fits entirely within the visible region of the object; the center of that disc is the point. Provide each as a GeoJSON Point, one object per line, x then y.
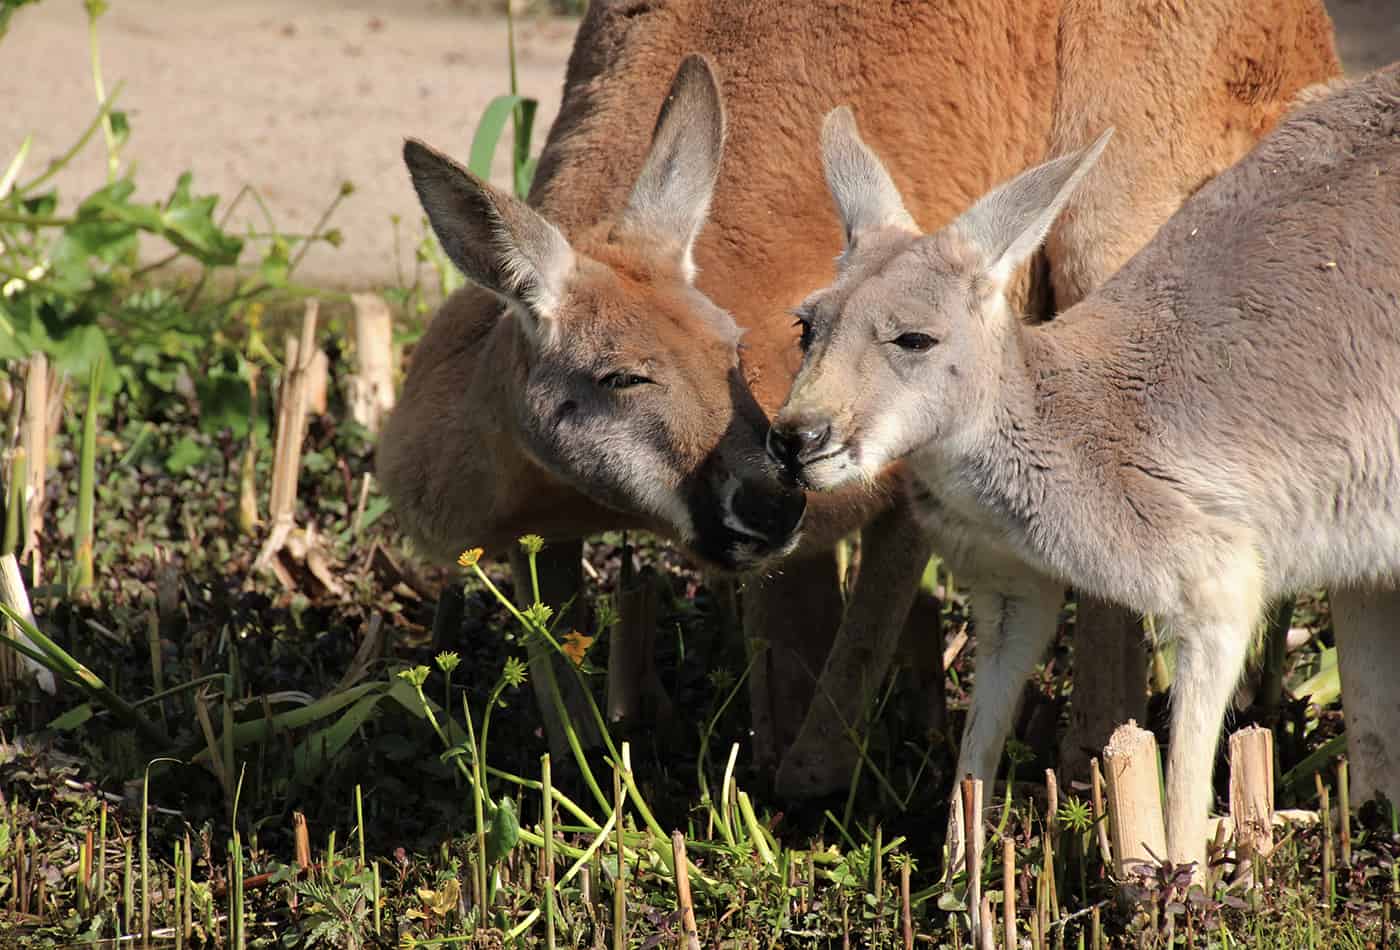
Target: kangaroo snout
{"type": "Point", "coordinates": [794, 442]}
{"type": "Point", "coordinates": [773, 511]}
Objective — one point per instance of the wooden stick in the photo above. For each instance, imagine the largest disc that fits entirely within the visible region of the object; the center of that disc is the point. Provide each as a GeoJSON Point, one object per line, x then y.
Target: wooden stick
{"type": "Point", "coordinates": [987, 929]}
{"type": "Point", "coordinates": [36, 449]}
{"type": "Point", "coordinates": [318, 380]}
{"type": "Point", "coordinates": [1008, 892]}
{"type": "Point", "coordinates": [1100, 816]}
{"type": "Point", "coordinates": [291, 430]}
{"type": "Point", "coordinates": [690, 934]}
{"type": "Point", "coordinates": [1252, 797]}
{"type": "Point", "coordinates": [370, 390]}
{"type": "Point", "coordinates": [906, 916]}
{"type": "Point", "coordinates": [1134, 798]}
{"type": "Point", "coordinates": [972, 820]}
{"type": "Point", "coordinates": [1344, 809]}
{"type": "Point", "coordinates": [1325, 810]}
{"type": "Point", "coordinates": [619, 920]}
{"type": "Point", "coordinates": [302, 835]}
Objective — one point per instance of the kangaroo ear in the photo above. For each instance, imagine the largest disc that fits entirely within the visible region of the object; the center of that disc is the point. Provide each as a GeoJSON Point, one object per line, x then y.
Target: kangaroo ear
{"type": "Point", "coordinates": [496, 240]}
{"type": "Point", "coordinates": [671, 198]}
{"type": "Point", "coordinates": [865, 194]}
{"type": "Point", "coordinates": [1009, 223]}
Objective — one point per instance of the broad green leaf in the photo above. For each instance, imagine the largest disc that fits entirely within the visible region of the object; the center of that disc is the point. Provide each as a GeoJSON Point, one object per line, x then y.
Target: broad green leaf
{"type": "Point", "coordinates": [312, 754]}
{"type": "Point", "coordinates": [488, 133]}
{"type": "Point", "coordinates": [502, 831]}
{"type": "Point", "coordinates": [258, 730]}
{"type": "Point", "coordinates": [189, 225]}
{"type": "Point", "coordinates": [72, 719]}
{"type": "Point", "coordinates": [1325, 686]}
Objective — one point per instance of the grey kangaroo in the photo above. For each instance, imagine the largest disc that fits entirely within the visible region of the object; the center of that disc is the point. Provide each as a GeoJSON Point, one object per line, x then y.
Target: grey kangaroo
{"type": "Point", "coordinates": [1216, 426]}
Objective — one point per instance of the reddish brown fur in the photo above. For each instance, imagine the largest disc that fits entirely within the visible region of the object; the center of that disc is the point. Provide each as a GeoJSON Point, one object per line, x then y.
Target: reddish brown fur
{"type": "Point", "coordinates": [956, 96]}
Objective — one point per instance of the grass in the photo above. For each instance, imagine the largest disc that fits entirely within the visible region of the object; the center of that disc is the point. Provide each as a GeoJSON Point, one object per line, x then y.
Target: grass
{"type": "Point", "coordinates": [235, 760]}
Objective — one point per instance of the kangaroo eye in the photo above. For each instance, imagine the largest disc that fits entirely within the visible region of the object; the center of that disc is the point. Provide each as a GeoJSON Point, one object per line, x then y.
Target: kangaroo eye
{"type": "Point", "coordinates": [918, 342]}
{"type": "Point", "coordinates": [623, 380]}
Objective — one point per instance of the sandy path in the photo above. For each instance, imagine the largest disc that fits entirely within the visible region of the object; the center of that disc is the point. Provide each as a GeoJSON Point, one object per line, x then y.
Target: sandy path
{"type": "Point", "coordinates": [294, 98]}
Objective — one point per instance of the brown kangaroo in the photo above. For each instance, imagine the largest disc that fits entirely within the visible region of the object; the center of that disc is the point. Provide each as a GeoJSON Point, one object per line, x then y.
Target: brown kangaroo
{"type": "Point", "coordinates": [597, 378]}
{"type": "Point", "coordinates": [1216, 426]}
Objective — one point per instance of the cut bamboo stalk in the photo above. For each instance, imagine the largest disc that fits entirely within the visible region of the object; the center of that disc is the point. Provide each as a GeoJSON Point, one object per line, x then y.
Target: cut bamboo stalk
{"type": "Point", "coordinates": [1100, 817]}
{"type": "Point", "coordinates": [1134, 798]}
{"type": "Point", "coordinates": [1344, 810]}
{"type": "Point", "coordinates": [302, 834]}
{"type": "Point", "coordinates": [690, 934]}
{"type": "Point", "coordinates": [972, 820]}
{"type": "Point", "coordinates": [16, 486]}
{"type": "Point", "coordinates": [83, 540]}
{"type": "Point", "coordinates": [547, 852]}
{"type": "Point", "coordinates": [987, 929]}
{"type": "Point", "coordinates": [371, 387]}
{"type": "Point", "coordinates": [58, 393]}
{"type": "Point", "coordinates": [906, 915]}
{"type": "Point", "coordinates": [13, 593]}
{"type": "Point", "coordinates": [1252, 797]}
{"type": "Point", "coordinates": [1325, 811]}
{"type": "Point", "coordinates": [1008, 892]}
{"type": "Point", "coordinates": [291, 430]}
{"type": "Point", "coordinates": [1052, 801]}
{"type": "Point", "coordinates": [36, 448]}
{"type": "Point", "coordinates": [318, 381]}
{"type": "Point", "coordinates": [10, 661]}
{"type": "Point", "coordinates": [619, 920]}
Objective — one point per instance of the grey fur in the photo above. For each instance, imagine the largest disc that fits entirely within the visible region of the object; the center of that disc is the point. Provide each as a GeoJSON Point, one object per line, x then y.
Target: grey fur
{"type": "Point", "coordinates": [1216, 426]}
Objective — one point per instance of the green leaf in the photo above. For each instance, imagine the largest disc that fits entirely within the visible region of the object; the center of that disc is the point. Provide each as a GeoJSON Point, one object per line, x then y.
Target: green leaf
{"type": "Point", "coordinates": [121, 128]}
{"type": "Point", "coordinates": [276, 263]}
{"type": "Point", "coordinates": [72, 719]}
{"type": "Point", "coordinates": [7, 10]}
{"type": "Point", "coordinates": [186, 454]}
{"type": "Point", "coordinates": [1325, 686]}
{"type": "Point", "coordinates": [312, 754]}
{"type": "Point", "coordinates": [502, 831]}
{"type": "Point", "coordinates": [188, 223]}
{"type": "Point", "coordinates": [488, 133]}
{"type": "Point", "coordinates": [374, 510]}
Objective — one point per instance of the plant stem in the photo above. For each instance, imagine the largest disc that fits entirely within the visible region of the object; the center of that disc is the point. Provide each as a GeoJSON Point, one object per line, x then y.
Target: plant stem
{"type": "Point", "coordinates": [547, 884]}
{"type": "Point", "coordinates": [87, 487]}
{"type": "Point", "coordinates": [62, 161]}
{"type": "Point", "coordinates": [94, 11]}
{"type": "Point", "coordinates": [14, 503]}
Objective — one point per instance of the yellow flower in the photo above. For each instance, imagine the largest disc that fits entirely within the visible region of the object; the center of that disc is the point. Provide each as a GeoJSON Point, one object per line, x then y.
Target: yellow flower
{"type": "Point", "coordinates": [470, 557]}
{"type": "Point", "coordinates": [575, 646]}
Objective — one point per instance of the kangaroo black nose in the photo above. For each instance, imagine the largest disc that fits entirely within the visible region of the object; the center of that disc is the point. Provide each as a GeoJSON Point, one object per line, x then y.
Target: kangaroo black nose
{"type": "Point", "coordinates": [770, 510]}
{"type": "Point", "coordinates": [790, 444]}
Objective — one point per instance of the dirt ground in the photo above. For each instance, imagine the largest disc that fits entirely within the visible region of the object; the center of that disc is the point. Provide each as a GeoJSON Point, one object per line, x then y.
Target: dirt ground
{"type": "Point", "coordinates": [295, 97]}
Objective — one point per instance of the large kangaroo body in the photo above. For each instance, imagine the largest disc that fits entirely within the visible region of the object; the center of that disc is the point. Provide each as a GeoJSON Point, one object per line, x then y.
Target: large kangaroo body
{"type": "Point", "coordinates": [958, 95]}
{"type": "Point", "coordinates": [1217, 426]}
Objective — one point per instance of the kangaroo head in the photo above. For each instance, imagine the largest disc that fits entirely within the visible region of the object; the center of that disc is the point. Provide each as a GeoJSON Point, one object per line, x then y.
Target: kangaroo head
{"type": "Point", "coordinates": [905, 348]}
{"type": "Point", "coordinates": [631, 388]}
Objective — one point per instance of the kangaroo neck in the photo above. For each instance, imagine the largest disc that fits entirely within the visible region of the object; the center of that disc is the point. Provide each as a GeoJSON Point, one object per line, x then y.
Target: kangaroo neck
{"type": "Point", "coordinates": [1033, 465]}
